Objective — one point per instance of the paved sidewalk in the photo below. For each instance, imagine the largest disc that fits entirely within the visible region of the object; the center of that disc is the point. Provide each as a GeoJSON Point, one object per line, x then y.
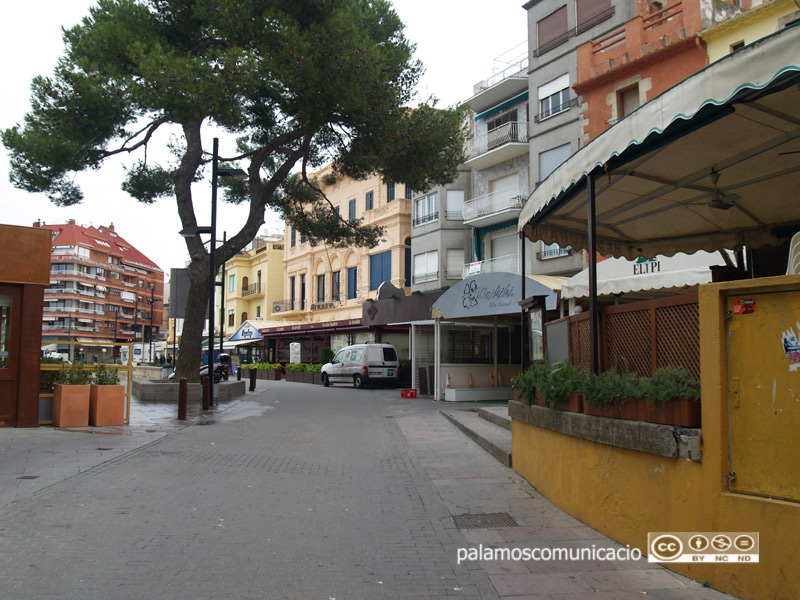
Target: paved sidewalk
{"type": "Point", "coordinates": [34, 458]}
{"type": "Point", "coordinates": [297, 492]}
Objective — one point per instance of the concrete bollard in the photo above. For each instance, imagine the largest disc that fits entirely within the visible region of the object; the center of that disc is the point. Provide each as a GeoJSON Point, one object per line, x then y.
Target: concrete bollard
{"type": "Point", "coordinates": [183, 397]}
{"type": "Point", "coordinates": [238, 374]}
{"type": "Point", "coordinates": [252, 380]}
{"type": "Point", "coordinates": [206, 393]}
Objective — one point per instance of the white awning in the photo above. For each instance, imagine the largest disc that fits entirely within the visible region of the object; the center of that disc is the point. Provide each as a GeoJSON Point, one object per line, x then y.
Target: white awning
{"type": "Point", "coordinates": [727, 137]}
{"type": "Point", "coordinates": [490, 294]}
{"type": "Point", "coordinates": [664, 273]}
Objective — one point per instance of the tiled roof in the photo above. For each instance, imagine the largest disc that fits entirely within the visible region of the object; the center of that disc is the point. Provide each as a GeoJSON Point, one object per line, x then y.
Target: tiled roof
{"type": "Point", "coordinates": [102, 239]}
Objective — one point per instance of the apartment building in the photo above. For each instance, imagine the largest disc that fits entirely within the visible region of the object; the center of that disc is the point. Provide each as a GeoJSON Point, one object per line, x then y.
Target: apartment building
{"type": "Point", "coordinates": [101, 290]}
{"type": "Point", "coordinates": [253, 282]}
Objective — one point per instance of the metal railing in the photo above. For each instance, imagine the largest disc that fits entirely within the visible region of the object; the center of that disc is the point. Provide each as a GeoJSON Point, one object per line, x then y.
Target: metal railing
{"type": "Point", "coordinates": [563, 107]}
{"type": "Point", "coordinates": [430, 217]}
{"type": "Point", "coordinates": [501, 264]}
{"type": "Point", "coordinates": [518, 68]}
{"type": "Point", "coordinates": [503, 199]}
{"type": "Point", "coordinates": [425, 277]}
{"type": "Point", "coordinates": [511, 132]}
{"type": "Point", "coordinates": [554, 253]}
{"type": "Point", "coordinates": [252, 290]}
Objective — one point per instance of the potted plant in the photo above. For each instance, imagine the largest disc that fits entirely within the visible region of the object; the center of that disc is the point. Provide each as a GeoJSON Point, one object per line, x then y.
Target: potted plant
{"type": "Point", "coordinates": [315, 371]}
{"type": "Point", "coordinates": [672, 398]}
{"type": "Point", "coordinates": [71, 392]}
{"type": "Point", "coordinates": [107, 398]}
{"type": "Point", "coordinates": [293, 371]}
{"type": "Point", "coordinates": [272, 371]}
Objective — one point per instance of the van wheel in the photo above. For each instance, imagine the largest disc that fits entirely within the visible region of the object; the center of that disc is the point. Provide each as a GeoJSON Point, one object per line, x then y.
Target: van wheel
{"type": "Point", "coordinates": [358, 382]}
{"type": "Point", "coordinates": [325, 381]}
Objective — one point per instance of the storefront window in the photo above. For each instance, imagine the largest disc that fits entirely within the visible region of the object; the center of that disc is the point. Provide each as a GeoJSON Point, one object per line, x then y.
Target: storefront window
{"type": "Point", "coordinates": [536, 335]}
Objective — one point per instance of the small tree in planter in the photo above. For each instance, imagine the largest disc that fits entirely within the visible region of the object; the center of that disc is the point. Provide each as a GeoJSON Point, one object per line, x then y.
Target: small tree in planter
{"type": "Point", "coordinates": [672, 395]}
{"type": "Point", "coordinates": [326, 355]}
{"type": "Point", "coordinates": [71, 396]}
{"type": "Point", "coordinates": [107, 398]}
{"type": "Point", "coordinates": [612, 392]}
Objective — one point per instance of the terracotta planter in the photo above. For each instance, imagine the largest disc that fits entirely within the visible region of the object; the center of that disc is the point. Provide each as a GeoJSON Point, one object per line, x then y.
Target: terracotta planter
{"type": "Point", "coordinates": [107, 405]}
{"type": "Point", "coordinates": [682, 411]}
{"type": "Point", "coordinates": [612, 412]}
{"type": "Point", "coordinates": [632, 410]}
{"type": "Point", "coordinates": [71, 405]}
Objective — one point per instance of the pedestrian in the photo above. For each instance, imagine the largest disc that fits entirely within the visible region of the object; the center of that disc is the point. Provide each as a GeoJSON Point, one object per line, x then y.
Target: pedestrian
{"type": "Point", "coordinates": [162, 361]}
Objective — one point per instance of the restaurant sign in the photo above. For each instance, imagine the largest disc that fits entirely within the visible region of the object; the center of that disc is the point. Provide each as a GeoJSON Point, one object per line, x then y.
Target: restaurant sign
{"type": "Point", "coordinates": [490, 294]}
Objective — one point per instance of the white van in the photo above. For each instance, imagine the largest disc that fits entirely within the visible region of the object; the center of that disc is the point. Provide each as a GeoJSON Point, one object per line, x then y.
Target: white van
{"type": "Point", "coordinates": [362, 364]}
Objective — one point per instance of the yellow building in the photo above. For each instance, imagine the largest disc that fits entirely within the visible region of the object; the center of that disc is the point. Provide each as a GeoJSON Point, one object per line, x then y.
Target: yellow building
{"type": "Point", "coordinates": [253, 283]}
{"type": "Point", "coordinates": [748, 27]}
{"type": "Point", "coordinates": [324, 283]}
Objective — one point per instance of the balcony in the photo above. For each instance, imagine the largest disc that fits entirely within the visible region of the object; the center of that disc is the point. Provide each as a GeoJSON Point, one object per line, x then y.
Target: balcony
{"type": "Point", "coordinates": [425, 277]}
{"type": "Point", "coordinates": [498, 145]}
{"type": "Point", "coordinates": [497, 207]}
{"type": "Point", "coordinates": [501, 264]}
{"type": "Point", "coordinates": [255, 290]}
{"type": "Point", "coordinates": [424, 219]}
{"type": "Point", "coordinates": [505, 84]}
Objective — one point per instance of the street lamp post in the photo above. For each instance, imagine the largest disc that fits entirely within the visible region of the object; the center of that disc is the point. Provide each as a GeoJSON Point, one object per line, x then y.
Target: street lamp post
{"type": "Point", "coordinates": [192, 231]}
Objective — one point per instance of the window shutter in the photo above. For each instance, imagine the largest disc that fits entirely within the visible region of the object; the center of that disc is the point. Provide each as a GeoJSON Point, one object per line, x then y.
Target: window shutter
{"type": "Point", "coordinates": [551, 29]}
{"type": "Point", "coordinates": [455, 262]}
{"type": "Point", "coordinates": [588, 11]}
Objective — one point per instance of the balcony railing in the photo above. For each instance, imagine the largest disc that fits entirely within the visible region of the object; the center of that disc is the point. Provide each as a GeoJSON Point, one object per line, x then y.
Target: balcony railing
{"type": "Point", "coordinates": [554, 253]}
{"type": "Point", "coordinates": [518, 68]}
{"type": "Point", "coordinates": [425, 277]}
{"type": "Point", "coordinates": [429, 218]}
{"type": "Point", "coordinates": [503, 199]}
{"type": "Point", "coordinates": [253, 290]}
{"type": "Point", "coordinates": [564, 106]}
{"type": "Point", "coordinates": [501, 264]}
{"type": "Point", "coordinates": [512, 132]}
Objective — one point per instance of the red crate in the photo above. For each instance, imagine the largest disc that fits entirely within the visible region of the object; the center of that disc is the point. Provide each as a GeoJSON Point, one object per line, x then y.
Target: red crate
{"type": "Point", "coordinates": [408, 393]}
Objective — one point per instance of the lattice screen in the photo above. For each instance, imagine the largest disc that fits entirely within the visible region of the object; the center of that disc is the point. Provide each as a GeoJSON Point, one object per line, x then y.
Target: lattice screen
{"type": "Point", "coordinates": [627, 337]}
{"type": "Point", "coordinates": [678, 337]}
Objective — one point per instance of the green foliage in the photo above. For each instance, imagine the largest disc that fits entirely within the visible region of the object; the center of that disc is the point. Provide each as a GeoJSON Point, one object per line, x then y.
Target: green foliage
{"type": "Point", "coordinates": [404, 370]}
{"type": "Point", "coordinates": [613, 387]}
{"type": "Point", "coordinates": [261, 366]}
{"type": "Point", "coordinates": [326, 354]}
{"type": "Point", "coordinates": [300, 83]}
{"type": "Point", "coordinates": [296, 367]}
{"type": "Point", "coordinates": [105, 376]}
{"type": "Point", "coordinates": [76, 374]}
{"type": "Point", "coordinates": [314, 368]}
{"type": "Point", "coordinates": [671, 382]}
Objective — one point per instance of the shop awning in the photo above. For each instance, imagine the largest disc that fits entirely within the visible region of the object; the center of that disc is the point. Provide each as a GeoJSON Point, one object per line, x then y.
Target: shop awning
{"type": "Point", "coordinates": [662, 273]}
{"type": "Point", "coordinates": [490, 294]}
{"type": "Point", "coordinates": [713, 162]}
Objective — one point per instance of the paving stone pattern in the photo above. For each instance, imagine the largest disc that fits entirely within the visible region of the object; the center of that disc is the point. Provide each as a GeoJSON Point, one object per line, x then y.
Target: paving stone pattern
{"type": "Point", "coordinates": [299, 492]}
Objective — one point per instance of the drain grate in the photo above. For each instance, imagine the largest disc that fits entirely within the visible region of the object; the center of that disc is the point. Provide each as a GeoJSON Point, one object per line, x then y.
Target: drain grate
{"type": "Point", "coordinates": [484, 521]}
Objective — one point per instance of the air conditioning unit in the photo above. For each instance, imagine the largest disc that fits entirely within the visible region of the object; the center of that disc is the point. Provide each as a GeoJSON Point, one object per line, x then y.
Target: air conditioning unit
{"type": "Point", "coordinates": [276, 308]}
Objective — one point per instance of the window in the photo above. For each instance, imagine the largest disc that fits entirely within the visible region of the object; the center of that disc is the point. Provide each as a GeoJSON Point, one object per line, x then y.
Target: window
{"type": "Point", "coordinates": [455, 205]}
{"type": "Point", "coordinates": [553, 97]}
{"type": "Point", "coordinates": [293, 237]}
{"type": "Point", "coordinates": [737, 46]}
{"type": "Point", "coordinates": [455, 263]}
{"type": "Point", "coordinates": [258, 312]}
{"type": "Point", "coordinates": [509, 117]}
{"type": "Point", "coordinates": [426, 266]}
{"type": "Point", "coordinates": [232, 283]}
{"type": "Point", "coordinates": [407, 262]}
{"type": "Point", "coordinates": [336, 282]}
{"type": "Point", "coordinates": [302, 292]}
{"type": "Point", "coordinates": [552, 31]}
{"type": "Point", "coordinates": [370, 200]}
{"type": "Point", "coordinates": [380, 269]}
{"type": "Point", "coordinates": [592, 12]}
{"type": "Point", "coordinates": [352, 282]}
{"type": "Point", "coordinates": [321, 288]}
{"type": "Point", "coordinates": [628, 101]}
{"type": "Point", "coordinates": [244, 317]}
{"type": "Point", "coordinates": [231, 317]}
{"type": "Point", "coordinates": [549, 160]}
{"type": "Point", "coordinates": [302, 237]}
{"type": "Point", "coordinates": [291, 292]}
{"type": "Point", "coordinates": [408, 193]}
{"type": "Point", "coordinates": [352, 212]}
{"type": "Point", "coordinates": [389, 191]}
{"type": "Point", "coordinates": [426, 209]}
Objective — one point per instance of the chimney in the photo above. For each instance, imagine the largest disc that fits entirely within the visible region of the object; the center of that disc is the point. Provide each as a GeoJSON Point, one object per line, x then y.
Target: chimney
{"type": "Point", "coordinates": [71, 222]}
{"type": "Point", "coordinates": [38, 223]}
{"type": "Point", "coordinates": [111, 226]}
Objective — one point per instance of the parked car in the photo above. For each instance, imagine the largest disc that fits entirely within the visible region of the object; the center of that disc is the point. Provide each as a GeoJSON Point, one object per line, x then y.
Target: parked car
{"type": "Point", "coordinates": [362, 364]}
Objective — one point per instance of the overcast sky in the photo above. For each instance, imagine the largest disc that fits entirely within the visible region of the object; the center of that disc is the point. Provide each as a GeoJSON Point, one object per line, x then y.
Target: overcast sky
{"type": "Point", "coordinates": [458, 41]}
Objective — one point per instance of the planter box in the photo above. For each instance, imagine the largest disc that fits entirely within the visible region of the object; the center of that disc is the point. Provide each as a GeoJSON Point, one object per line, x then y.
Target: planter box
{"type": "Point", "coordinates": [107, 405]}
{"type": "Point", "coordinates": [574, 403]}
{"type": "Point", "coordinates": [71, 405]}
{"type": "Point", "coordinates": [683, 412]}
{"type": "Point", "coordinates": [317, 378]}
{"type": "Point", "coordinates": [612, 412]}
{"type": "Point", "coordinates": [292, 375]}
{"type": "Point", "coordinates": [308, 377]}
{"type": "Point", "coordinates": [273, 375]}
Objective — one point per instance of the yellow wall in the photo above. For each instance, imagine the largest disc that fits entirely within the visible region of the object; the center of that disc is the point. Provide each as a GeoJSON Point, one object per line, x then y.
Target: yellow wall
{"type": "Point", "coordinates": [625, 493]}
{"type": "Point", "coordinates": [311, 261]}
{"type": "Point", "coordinates": [748, 27]}
{"type": "Point", "coordinates": [247, 264]}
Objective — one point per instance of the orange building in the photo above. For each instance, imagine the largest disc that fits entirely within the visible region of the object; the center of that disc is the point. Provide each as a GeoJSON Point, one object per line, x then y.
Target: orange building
{"type": "Point", "coordinates": [101, 290]}
{"type": "Point", "coordinates": [653, 51]}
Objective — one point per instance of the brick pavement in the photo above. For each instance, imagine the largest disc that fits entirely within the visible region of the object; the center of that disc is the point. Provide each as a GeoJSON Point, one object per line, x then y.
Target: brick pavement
{"type": "Point", "coordinates": [300, 492]}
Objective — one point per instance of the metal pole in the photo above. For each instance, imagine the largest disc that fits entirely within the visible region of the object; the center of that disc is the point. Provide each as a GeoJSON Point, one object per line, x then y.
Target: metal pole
{"type": "Point", "coordinates": [152, 303]}
{"type": "Point", "coordinates": [182, 399]}
{"type": "Point", "coordinates": [594, 330]}
{"type": "Point", "coordinates": [213, 268]}
{"type": "Point", "coordinates": [222, 299]}
{"type": "Point", "coordinates": [135, 319]}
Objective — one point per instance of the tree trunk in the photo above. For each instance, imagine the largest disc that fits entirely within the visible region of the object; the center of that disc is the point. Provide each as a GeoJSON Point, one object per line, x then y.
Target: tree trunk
{"type": "Point", "coordinates": [191, 350]}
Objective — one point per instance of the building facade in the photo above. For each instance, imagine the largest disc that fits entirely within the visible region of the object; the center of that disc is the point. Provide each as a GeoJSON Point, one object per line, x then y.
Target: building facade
{"type": "Point", "coordinates": [253, 283]}
{"type": "Point", "coordinates": [102, 290]}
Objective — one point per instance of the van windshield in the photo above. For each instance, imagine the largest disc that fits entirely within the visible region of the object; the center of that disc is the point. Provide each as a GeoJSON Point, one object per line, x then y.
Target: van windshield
{"type": "Point", "coordinates": [389, 354]}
